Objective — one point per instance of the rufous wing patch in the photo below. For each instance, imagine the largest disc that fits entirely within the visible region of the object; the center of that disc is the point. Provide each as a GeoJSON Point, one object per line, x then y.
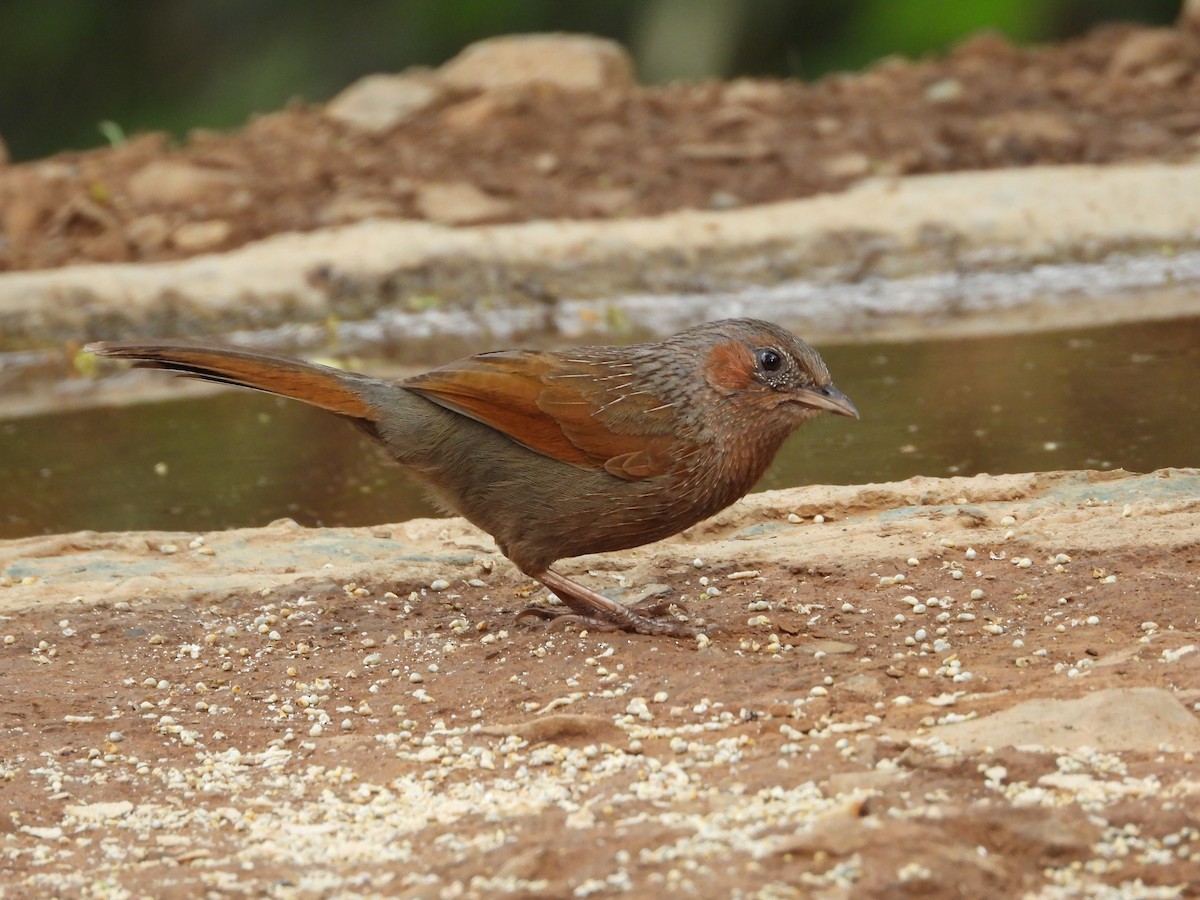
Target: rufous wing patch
{"type": "Point", "coordinates": [501, 390]}
{"type": "Point", "coordinates": [509, 392]}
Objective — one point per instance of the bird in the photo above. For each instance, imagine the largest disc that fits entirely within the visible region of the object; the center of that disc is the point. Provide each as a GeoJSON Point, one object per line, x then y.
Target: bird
{"type": "Point", "coordinates": [562, 453]}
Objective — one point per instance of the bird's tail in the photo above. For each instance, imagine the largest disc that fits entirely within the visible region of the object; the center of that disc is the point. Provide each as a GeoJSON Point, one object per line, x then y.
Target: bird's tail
{"type": "Point", "coordinates": [340, 392]}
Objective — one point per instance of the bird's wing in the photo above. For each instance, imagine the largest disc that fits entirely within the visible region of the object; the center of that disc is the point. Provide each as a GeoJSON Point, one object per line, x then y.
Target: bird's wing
{"type": "Point", "coordinates": [589, 413]}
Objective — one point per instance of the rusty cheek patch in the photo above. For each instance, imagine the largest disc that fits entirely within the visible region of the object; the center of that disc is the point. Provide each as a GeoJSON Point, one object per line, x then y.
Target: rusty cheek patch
{"type": "Point", "coordinates": [729, 367]}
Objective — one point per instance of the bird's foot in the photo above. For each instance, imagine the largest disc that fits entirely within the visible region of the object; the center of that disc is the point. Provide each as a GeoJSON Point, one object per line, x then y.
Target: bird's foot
{"type": "Point", "coordinates": [630, 622]}
{"type": "Point", "coordinates": [589, 609]}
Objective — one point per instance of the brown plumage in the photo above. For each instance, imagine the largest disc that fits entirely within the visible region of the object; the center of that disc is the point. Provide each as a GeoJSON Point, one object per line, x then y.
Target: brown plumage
{"type": "Point", "coordinates": [557, 454]}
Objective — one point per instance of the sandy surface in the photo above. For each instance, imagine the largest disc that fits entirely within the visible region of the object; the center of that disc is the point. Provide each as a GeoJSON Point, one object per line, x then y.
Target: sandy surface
{"type": "Point", "coordinates": [961, 687]}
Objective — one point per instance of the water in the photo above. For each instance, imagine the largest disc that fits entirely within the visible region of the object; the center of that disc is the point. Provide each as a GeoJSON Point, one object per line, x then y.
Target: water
{"type": "Point", "coordinates": [1125, 396]}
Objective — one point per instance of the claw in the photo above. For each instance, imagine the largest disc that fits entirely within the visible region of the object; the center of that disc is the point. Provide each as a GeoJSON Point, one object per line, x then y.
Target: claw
{"type": "Point", "coordinates": [658, 606]}
{"type": "Point", "coordinates": [544, 613]}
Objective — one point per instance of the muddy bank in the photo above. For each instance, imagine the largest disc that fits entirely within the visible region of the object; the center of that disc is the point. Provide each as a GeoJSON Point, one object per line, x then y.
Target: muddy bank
{"type": "Point", "coordinates": [506, 281]}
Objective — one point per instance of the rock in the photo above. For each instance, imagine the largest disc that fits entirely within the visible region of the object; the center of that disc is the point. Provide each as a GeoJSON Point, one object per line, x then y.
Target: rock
{"type": "Point", "coordinates": [947, 90]}
{"type": "Point", "coordinates": [342, 209]}
{"type": "Point", "coordinates": [178, 184]}
{"type": "Point", "coordinates": [194, 237]}
{"type": "Point", "coordinates": [754, 93]}
{"type": "Point", "coordinates": [1189, 16]}
{"type": "Point", "coordinates": [562, 727]}
{"type": "Point", "coordinates": [474, 114]}
{"type": "Point", "coordinates": [148, 233]}
{"type": "Point", "coordinates": [862, 684]}
{"type": "Point", "coordinates": [1145, 51]}
{"type": "Point", "coordinates": [1118, 719]}
{"type": "Point", "coordinates": [1022, 133]}
{"type": "Point", "coordinates": [379, 102]}
{"type": "Point", "coordinates": [847, 165]}
{"type": "Point", "coordinates": [100, 812]}
{"type": "Point", "coordinates": [572, 62]}
{"type": "Point", "coordinates": [459, 203]}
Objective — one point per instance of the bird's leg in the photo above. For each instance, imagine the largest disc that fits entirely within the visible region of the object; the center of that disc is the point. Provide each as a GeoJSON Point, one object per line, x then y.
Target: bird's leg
{"type": "Point", "coordinates": [599, 613]}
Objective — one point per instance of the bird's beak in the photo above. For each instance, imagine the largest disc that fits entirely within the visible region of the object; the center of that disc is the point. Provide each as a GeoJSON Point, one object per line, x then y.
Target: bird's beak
{"type": "Point", "coordinates": [827, 398]}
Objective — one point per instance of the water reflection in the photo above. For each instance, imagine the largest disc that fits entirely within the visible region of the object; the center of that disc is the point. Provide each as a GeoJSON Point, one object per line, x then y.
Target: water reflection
{"type": "Point", "coordinates": [1126, 396]}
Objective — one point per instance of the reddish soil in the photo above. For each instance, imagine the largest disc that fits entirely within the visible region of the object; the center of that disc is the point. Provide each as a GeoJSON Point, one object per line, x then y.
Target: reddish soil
{"type": "Point", "coordinates": [294, 712]}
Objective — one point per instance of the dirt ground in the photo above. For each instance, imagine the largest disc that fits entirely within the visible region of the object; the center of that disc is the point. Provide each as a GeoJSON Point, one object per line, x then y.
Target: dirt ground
{"type": "Point", "coordinates": [518, 153]}
{"type": "Point", "coordinates": [941, 687]}
{"type": "Point", "coordinates": [937, 688]}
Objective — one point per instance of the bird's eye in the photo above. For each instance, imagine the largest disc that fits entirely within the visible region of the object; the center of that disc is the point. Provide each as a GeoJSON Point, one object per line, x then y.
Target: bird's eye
{"type": "Point", "coordinates": [770, 360]}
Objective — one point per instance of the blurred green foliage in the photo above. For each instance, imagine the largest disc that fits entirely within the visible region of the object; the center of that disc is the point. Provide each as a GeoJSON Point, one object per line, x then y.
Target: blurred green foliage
{"type": "Point", "coordinates": [66, 66]}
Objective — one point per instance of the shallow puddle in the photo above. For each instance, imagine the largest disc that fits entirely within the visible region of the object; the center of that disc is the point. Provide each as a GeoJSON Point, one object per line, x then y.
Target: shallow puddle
{"type": "Point", "coordinates": [1126, 396]}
